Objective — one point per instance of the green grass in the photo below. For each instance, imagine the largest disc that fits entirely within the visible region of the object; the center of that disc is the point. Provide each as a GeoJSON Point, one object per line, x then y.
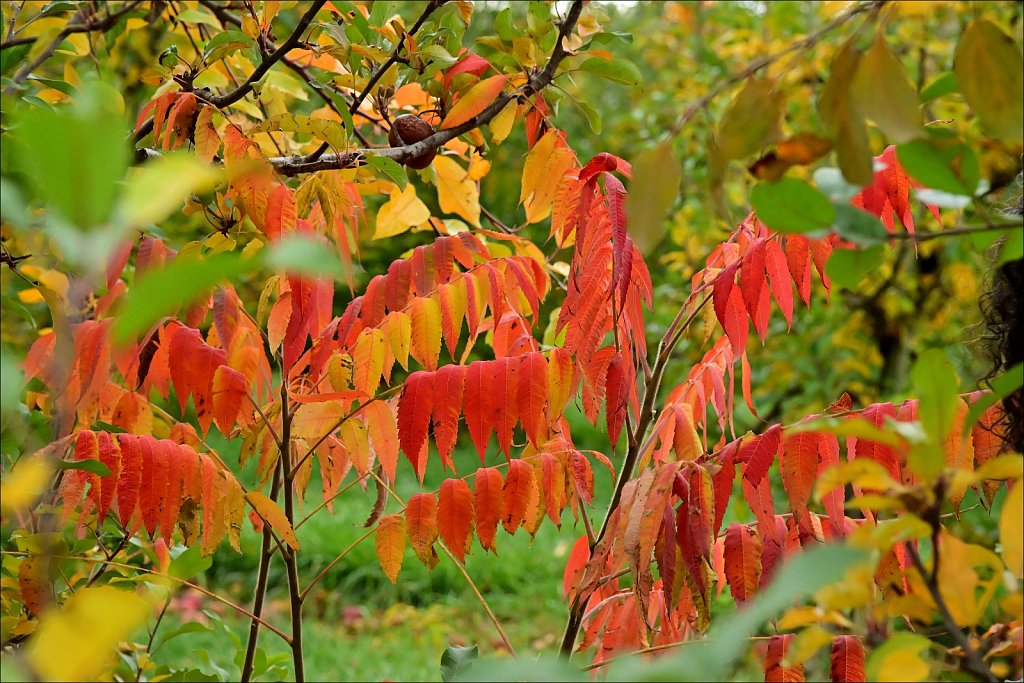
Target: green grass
{"type": "Point", "coordinates": [358, 625]}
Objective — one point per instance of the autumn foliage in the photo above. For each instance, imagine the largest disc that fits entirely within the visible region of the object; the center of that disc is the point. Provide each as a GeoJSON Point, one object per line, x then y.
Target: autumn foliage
{"type": "Point", "coordinates": [493, 338]}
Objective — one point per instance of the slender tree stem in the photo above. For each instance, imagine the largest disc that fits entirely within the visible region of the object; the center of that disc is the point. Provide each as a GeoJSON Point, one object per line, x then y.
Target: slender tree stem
{"type": "Point", "coordinates": [972, 662]}
{"type": "Point", "coordinates": [262, 574]}
{"type": "Point", "coordinates": [290, 561]}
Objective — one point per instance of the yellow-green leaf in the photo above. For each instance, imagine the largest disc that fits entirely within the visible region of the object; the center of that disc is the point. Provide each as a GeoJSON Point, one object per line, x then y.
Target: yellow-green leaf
{"type": "Point", "coordinates": [884, 93]}
{"type": "Point", "coordinates": [402, 211]}
{"type": "Point", "coordinates": [1011, 529]}
{"type": "Point", "coordinates": [843, 120]}
{"type": "Point", "coordinates": [271, 514]}
{"type": "Point", "coordinates": [456, 193]}
{"type": "Point", "coordinates": [990, 75]}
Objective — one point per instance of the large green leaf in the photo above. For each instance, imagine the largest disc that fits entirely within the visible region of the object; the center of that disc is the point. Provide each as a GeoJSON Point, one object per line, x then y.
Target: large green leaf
{"type": "Point", "coordinates": [935, 385]}
{"type": "Point", "coordinates": [884, 93]}
{"type": "Point", "coordinates": [653, 191]}
{"type": "Point", "coordinates": [844, 120]}
{"type": "Point", "coordinates": [847, 267]}
{"type": "Point", "coordinates": [941, 163]}
{"type": "Point", "coordinates": [990, 75]}
{"type": "Point", "coordinates": [76, 154]}
{"type": "Point", "coordinates": [792, 205]}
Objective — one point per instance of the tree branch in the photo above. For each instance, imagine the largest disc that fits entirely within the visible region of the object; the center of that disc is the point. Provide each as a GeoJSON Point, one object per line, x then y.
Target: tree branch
{"type": "Point", "coordinates": [89, 26]}
{"type": "Point", "coordinates": [293, 40]}
{"type": "Point", "coordinates": [295, 165]}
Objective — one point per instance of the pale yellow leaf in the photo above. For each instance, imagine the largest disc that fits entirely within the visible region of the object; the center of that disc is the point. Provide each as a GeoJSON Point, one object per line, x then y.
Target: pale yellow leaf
{"type": "Point", "coordinates": [402, 211]}
{"type": "Point", "coordinates": [456, 193]}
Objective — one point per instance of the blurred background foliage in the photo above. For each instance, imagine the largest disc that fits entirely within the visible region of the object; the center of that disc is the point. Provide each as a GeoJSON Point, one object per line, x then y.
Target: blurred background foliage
{"type": "Point", "coordinates": [862, 342]}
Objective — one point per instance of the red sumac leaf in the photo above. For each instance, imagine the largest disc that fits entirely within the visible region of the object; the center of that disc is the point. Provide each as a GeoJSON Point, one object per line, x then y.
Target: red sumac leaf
{"type": "Point", "coordinates": [489, 504]}
{"type": "Point", "coordinates": [847, 660]}
{"type": "Point", "coordinates": [455, 516]}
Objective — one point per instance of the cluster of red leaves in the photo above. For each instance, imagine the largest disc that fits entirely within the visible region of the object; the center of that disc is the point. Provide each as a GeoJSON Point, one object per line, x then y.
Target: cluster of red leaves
{"type": "Point", "coordinates": [153, 483]}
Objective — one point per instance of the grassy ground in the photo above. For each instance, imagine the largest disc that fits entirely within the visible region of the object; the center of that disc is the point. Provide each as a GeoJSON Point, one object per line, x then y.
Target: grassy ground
{"type": "Point", "coordinates": [361, 627]}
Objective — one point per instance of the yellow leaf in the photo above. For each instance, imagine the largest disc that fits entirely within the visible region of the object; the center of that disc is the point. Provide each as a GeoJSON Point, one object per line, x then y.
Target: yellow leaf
{"type": "Point", "coordinates": [402, 211]}
{"type": "Point", "coordinates": [79, 642]}
{"type": "Point", "coordinates": [899, 659]}
{"type": "Point", "coordinates": [806, 643]}
{"type": "Point", "coordinates": [313, 420]}
{"type": "Point", "coordinates": [273, 515]}
{"type": "Point", "coordinates": [426, 332]}
{"type": "Point", "coordinates": [501, 125]}
{"type": "Point", "coordinates": [24, 484]}
{"type": "Point", "coordinates": [478, 98]}
{"type": "Point", "coordinates": [545, 165]}
{"type": "Point", "coordinates": [861, 472]}
{"type": "Point", "coordinates": [390, 542]}
{"type": "Point", "coordinates": [1010, 529]}
{"type": "Point", "coordinates": [456, 193]}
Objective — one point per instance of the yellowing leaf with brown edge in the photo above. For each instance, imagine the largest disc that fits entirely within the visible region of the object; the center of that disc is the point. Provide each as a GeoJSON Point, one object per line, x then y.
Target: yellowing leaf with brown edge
{"type": "Point", "coordinates": [274, 516]}
{"type": "Point", "coordinates": [545, 165]}
{"type": "Point", "coordinates": [390, 541]}
{"type": "Point", "coordinates": [402, 211]}
{"type": "Point", "coordinates": [456, 193]}
{"type": "Point", "coordinates": [474, 101]}
{"type": "Point", "coordinates": [1011, 529]}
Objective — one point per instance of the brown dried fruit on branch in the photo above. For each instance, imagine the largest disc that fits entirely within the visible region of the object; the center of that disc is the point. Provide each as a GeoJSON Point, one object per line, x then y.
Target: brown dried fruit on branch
{"type": "Point", "coordinates": [408, 129]}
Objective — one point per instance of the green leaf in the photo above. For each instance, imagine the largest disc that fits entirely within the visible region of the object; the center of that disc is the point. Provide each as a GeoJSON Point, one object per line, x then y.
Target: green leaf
{"type": "Point", "coordinates": [181, 282]}
{"type": "Point", "coordinates": [160, 187]}
{"type": "Point", "coordinates": [456, 660]}
{"type": "Point", "coordinates": [194, 16]}
{"type": "Point", "coordinates": [831, 181]}
{"type": "Point", "coordinates": [653, 191]}
{"type": "Point", "coordinates": [189, 563]}
{"type": "Point", "coordinates": [1013, 246]}
{"type": "Point", "coordinates": [1000, 387]}
{"type": "Point", "coordinates": [791, 205]}
{"type": "Point", "coordinates": [504, 27]}
{"type": "Point", "coordinates": [862, 429]}
{"type": "Point", "coordinates": [75, 155]}
{"type": "Point", "coordinates": [91, 466]}
{"type": "Point", "coordinates": [883, 93]}
{"type": "Point", "coordinates": [989, 71]}
{"type": "Point", "coordinates": [593, 118]}
{"type": "Point", "coordinates": [935, 384]}
{"type": "Point", "coordinates": [616, 70]}
{"type": "Point", "coordinates": [844, 120]}
{"type": "Point", "coordinates": [944, 85]}
{"type": "Point", "coordinates": [847, 267]}
{"type": "Point", "coordinates": [394, 171]}
{"type": "Point", "coordinates": [224, 44]}
{"type": "Point", "coordinates": [859, 227]}
{"type": "Point", "coordinates": [303, 255]}
{"type": "Point", "coordinates": [13, 56]}
{"type": "Point", "coordinates": [944, 164]}
{"type": "Point", "coordinates": [438, 55]}
{"type": "Point", "coordinates": [752, 120]}
{"type": "Point", "coordinates": [101, 426]}
{"type": "Point", "coordinates": [799, 577]}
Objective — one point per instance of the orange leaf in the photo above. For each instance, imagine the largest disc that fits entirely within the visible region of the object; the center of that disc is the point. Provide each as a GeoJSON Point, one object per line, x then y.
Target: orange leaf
{"type": "Point", "coordinates": [847, 660]}
{"type": "Point", "coordinates": [532, 395]}
{"type": "Point", "coordinates": [383, 430]}
{"type": "Point", "coordinates": [273, 515]}
{"type": "Point", "coordinates": [742, 561]}
{"type": "Point", "coordinates": [477, 403]}
{"type": "Point", "coordinates": [474, 101]}
{"type": "Point", "coordinates": [774, 670]}
{"type": "Point", "coordinates": [489, 505]}
{"type": "Point", "coordinates": [421, 518]}
{"type": "Point", "coordinates": [390, 541]}
{"type": "Point", "coordinates": [455, 516]}
{"type": "Point", "coordinates": [520, 493]}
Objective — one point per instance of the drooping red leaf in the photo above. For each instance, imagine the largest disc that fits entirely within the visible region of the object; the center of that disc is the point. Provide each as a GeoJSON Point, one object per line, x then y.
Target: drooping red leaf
{"type": "Point", "coordinates": [847, 660]}
{"type": "Point", "coordinates": [414, 408]}
{"type": "Point", "coordinates": [421, 525]}
{"type": "Point", "coordinates": [742, 561]}
{"type": "Point", "coordinates": [532, 396]}
{"type": "Point", "coordinates": [449, 382]}
{"type": "Point", "coordinates": [489, 504]}
{"type": "Point", "coordinates": [477, 404]}
{"type": "Point", "coordinates": [455, 516]}
{"type": "Point", "coordinates": [775, 670]}
{"type": "Point", "coordinates": [520, 494]}
{"type": "Point", "coordinates": [799, 468]}
{"type": "Point", "coordinates": [759, 454]}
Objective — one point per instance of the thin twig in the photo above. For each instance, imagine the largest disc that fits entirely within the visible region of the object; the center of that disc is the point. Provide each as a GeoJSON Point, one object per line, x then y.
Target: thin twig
{"type": "Point", "coordinates": [292, 41]}
{"type": "Point", "coordinates": [238, 608]}
{"type": "Point", "coordinates": [102, 25]}
{"type": "Point", "coordinates": [369, 532]}
{"type": "Point", "coordinates": [973, 662]}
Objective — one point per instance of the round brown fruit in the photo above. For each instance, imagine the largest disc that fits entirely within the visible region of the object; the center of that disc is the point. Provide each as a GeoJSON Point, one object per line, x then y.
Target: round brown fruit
{"type": "Point", "coordinates": [407, 129]}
